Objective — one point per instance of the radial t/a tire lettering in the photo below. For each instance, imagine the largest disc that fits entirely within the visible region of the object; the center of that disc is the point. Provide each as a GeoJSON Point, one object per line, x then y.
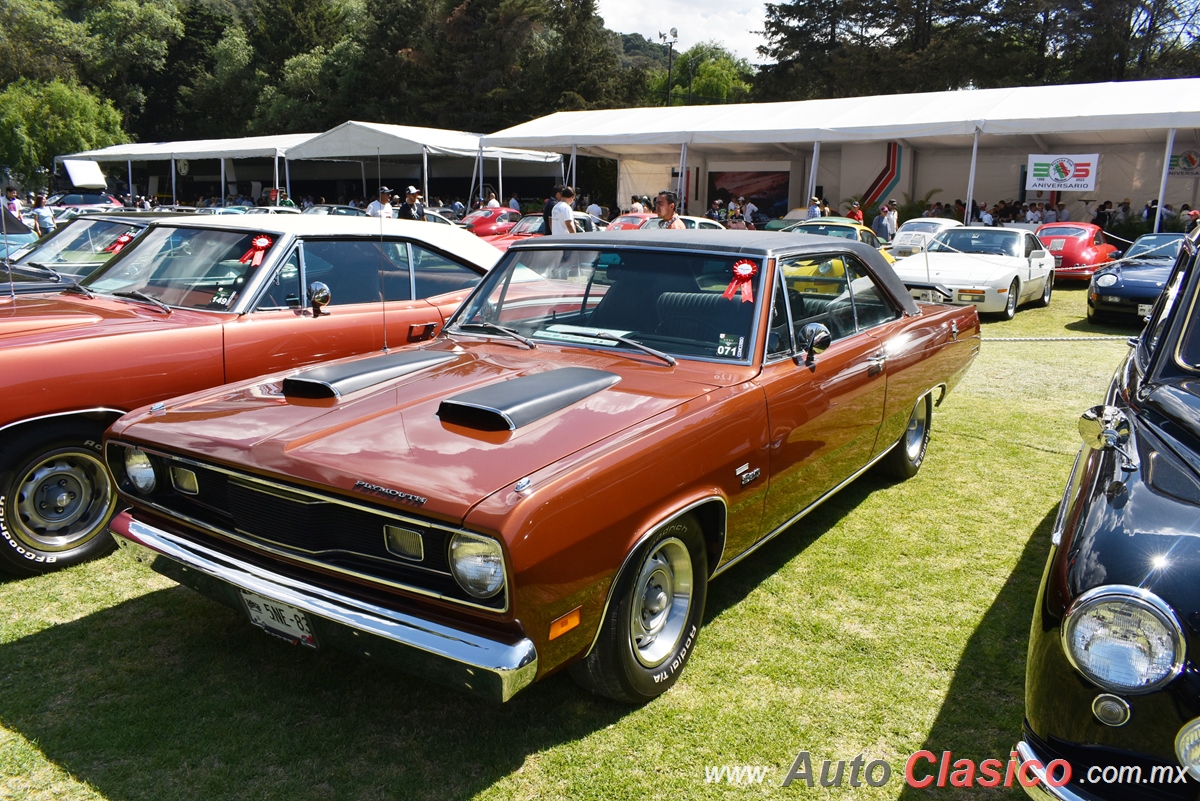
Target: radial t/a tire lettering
{"type": "Point", "coordinates": [56, 499]}
{"type": "Point", "coordinates": [909, 452]}
{"type": "Point", "coordinates": [653, 621]}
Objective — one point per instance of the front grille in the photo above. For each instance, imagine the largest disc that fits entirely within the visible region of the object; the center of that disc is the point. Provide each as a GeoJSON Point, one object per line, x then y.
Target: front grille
{"type": "Point", "coordinates": [322, 529]}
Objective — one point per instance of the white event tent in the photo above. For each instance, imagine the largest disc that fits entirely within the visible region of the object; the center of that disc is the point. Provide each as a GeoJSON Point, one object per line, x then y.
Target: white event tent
{"type": "Point", "coordinates": [1127, 122]}
{"type": "Point", "coordinates": [365, 140]}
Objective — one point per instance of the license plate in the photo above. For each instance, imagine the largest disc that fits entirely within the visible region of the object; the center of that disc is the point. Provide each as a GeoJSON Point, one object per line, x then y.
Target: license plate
{"type": "Point", "coordinates": [1144, 309]}
{"type": "Point", "coordinates": [278, 618]}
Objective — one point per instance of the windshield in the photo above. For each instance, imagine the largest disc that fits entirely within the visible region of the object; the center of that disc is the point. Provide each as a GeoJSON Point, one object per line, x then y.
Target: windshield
{"type": "Point", "coordinates": [533, 224]}
{"type": "Point", "coordinates": [920, 227]}
{"type": "Point", "coordinates": [82, 246]}
{"type": "Point", "coordinates": [685, 304]}
{"type": "Point", "coordinates": [1155, 246]}
{"type": "Point", "coordinates": [977, 240]}
{"type": "Point", "coordinates": [824, 229]}
{"type": "Point", "coordinates": [190, 268]}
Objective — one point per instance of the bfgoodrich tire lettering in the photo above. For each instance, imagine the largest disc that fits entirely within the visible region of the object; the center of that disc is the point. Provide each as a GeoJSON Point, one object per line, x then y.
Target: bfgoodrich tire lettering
{"type": "Point", "coordinates": [55, 500]}
{"type": "Point", "coordinates": [909, 453]}
{"type": "Point", "coordinates": [652, 624]}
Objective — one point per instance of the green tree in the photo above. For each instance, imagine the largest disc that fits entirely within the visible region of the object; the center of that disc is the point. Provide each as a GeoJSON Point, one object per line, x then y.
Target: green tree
{"type": "Point", "coordinates": [39, 121]}
{"type": "Point", "coordinates": [221, 101]}
{"type": "Point", "coordinates": [191, 55]}
{"type": "Point", "coordinates": [38, 43]}
{"type": "Point", "coordinates": [283, 29]}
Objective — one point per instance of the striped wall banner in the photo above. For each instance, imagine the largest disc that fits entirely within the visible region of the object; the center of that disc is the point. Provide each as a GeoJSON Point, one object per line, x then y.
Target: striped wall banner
{"type": "Point", "coordinates": [887, 179]}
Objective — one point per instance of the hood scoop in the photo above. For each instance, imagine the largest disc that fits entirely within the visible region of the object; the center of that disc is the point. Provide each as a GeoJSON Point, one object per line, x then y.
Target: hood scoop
{"type": "Point", "coordinates": [508, 405]}
{"type": "Point", "coordinates": [335, 380]}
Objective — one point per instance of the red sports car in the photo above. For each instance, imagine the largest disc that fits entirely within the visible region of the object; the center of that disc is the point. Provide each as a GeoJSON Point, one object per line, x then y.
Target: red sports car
{"type": "Point", "coordinates": [491, 222]}
{"type": "Point", "coordinates": [532, 225]}
{"type": "Point", "coordinates": [1079, 249]}
{"type": "Point", "coordinates": [629, 222]}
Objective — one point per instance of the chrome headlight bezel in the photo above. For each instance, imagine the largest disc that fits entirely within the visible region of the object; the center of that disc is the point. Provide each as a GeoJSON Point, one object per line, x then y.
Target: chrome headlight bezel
{"type": "Point", "coordinates": [1105, 280]}
{"type": "Point", "coordinates": [464, 545]}
{"type": "Point", "coordinates": [1144, 601]}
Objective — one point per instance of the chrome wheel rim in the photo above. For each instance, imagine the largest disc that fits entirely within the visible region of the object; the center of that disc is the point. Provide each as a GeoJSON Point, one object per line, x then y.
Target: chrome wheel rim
{"type": "Point", "coordinates": [1011, 308]}
{"type": "Point", "coordinates": [662, 599]}
{"type": "Point", "coordinates": [918, 424]}
{"type": "Point", "coordinates": [62, 501]}
{"type": "Point", "coordinates": [1049, 288]}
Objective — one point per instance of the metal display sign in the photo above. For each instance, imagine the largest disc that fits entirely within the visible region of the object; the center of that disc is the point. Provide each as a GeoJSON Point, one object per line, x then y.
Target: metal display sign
{"type": "Point", "coordinates": [1074, 172]}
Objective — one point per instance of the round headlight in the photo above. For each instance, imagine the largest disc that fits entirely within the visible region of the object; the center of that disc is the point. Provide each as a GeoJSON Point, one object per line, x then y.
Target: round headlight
{"type": "Point", "coordinates": [1125, 639]}
{"type": "Point", "coordinates": [477, 563]}
{"type": "Point", "coordinates": [139, 470]}
{"type": "Point", "coordinates": [1187, 747]}
{"type": "Point", "coordinates": [1106, 280]}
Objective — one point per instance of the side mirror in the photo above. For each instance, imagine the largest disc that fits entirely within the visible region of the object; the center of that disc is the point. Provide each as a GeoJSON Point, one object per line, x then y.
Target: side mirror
{"type": "Point", "coordinates": [1038, 254]}
{"type": "Point", "coordinates": [815, 338]}
{"type": "Point", "coordinates": [319, 296]}
{"type": "Point", "coordinates": [1106, 428]}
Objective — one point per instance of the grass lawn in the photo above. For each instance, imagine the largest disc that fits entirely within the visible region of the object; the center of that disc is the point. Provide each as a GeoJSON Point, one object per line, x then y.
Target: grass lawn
{"type": "Point", "coordinates": [892, 619]}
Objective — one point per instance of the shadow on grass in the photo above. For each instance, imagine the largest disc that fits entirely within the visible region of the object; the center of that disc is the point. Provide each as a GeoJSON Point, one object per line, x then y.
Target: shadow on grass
{"type": "Point", "coordinates": [981, 716]}
{"type": "Point", "coordinates": [731, 587]}
{"type": "Point", "coordinates": [171, 695]}
{"type": "Point", "coordinates": [1107, 327]}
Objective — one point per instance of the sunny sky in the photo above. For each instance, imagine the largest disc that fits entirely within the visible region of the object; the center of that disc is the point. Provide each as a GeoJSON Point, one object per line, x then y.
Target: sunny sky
{"type": "Point", "coordinates": [731, 23]}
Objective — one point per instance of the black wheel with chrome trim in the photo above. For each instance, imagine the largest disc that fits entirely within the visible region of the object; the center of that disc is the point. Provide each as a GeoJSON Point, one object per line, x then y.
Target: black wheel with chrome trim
{"type": "Point", "coordinates": [56, 498]}
{"type": "Point", "coordinates": [650, 630]}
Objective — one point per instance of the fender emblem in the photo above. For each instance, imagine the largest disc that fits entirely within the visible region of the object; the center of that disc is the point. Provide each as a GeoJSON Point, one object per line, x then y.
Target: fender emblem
{"type": "Point", "coordinates": [387, 492]}
{"type": "Point", "coordinates": [750, 476]}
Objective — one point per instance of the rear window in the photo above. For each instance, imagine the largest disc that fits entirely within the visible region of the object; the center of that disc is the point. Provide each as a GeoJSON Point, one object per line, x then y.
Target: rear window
{"type": "Point", "coordinates": [1063, 230]}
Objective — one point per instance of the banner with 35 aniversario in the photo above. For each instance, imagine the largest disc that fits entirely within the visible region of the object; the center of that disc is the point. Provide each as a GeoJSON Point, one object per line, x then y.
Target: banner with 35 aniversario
{"type": "Point", "coordinates": [1074, 172]}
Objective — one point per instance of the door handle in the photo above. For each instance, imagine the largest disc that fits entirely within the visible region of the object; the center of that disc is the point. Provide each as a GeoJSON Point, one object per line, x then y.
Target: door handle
{"type": "Point", "coordinates": [420, 331]}
{"type": "Point", "coordinates": [875, 364]}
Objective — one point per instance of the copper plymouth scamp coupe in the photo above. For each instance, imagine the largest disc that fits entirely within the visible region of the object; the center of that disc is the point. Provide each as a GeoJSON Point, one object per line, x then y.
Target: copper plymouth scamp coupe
{"type": "Point", "coordinates": [189, 304]}
{"type": "Point", "coordinates": [608, 422]}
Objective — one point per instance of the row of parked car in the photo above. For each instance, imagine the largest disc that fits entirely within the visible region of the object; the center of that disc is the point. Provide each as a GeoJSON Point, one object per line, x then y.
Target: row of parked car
{"type": "Point", "coordinates": [487, 467]}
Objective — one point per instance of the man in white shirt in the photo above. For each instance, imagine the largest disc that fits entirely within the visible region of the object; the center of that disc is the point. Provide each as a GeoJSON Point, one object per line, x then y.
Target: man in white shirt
{"type": "Point", "coordinates": [1063, 214]}
{"type": "Point", "coordinates": [893, 218]}
{"type": "Point", "coordinates": [561, 219]}
{"type": "Point", "coordinates": [635, 207]}
{"type": "Point", "coordinates": [381, 207]}
{"type": "Point", "coordinates": [748, 208]}
{"type": "Point", "coordinates": [1050, 216]}
{"type": "Point", "coordinates": [595, 210]}
{"type": "Point", "coordinates": [492, 202]}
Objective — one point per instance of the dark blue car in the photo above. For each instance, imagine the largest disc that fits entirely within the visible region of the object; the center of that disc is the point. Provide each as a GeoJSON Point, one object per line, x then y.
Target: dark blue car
{"type": "Point", "coordinates": [1127, 290]}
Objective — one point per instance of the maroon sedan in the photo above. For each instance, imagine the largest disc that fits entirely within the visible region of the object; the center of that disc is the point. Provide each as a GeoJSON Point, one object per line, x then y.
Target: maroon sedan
{"type": "Point", "coordinates": [1079, 249]}
{"type": "Point", "coordinates": [491, 222]}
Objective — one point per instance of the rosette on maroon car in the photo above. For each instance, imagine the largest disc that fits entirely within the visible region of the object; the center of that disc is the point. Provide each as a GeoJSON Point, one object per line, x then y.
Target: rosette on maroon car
{"type": "Point", "coordinates": [258, 246]}
{"type": "Point", "coordinates": [120, 242]}
{"type": "Point", "coordinates": [744, 271]}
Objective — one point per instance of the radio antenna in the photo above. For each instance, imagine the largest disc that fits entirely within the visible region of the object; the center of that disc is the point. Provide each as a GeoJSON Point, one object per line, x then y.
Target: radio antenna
{"type": "Point", "coordinates": [382, 285]}
{"type": "Point", "coordinates": [12, 290]}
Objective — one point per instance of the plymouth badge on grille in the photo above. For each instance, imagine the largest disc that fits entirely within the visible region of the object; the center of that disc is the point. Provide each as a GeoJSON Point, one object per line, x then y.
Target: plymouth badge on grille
{"type": "Point", "coordinates": [388, 492]}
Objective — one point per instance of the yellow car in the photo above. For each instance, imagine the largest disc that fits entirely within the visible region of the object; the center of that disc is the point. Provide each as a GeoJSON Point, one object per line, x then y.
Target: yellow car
{"type": "Point", "coordinates": [843, 228]}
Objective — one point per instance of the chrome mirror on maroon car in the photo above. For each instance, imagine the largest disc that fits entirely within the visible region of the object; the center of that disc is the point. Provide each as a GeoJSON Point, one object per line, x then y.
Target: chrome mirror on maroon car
{"type": "Point", "coordinates": [319, 296]}
{"type": "Point", "coordinates": [815, 339]}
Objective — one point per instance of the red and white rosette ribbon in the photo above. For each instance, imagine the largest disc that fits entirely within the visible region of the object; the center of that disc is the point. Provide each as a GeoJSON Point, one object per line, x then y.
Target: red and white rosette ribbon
{"type": "Point", "coordinates": [744, 271]}
{"type": "Point", "coordinates": [121, 241]}
{"type": "Point", "coordinates": [258, 246]}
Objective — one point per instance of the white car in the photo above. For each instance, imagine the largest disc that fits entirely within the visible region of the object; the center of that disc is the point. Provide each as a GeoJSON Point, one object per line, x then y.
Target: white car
{"type": "Point", "coordinates": [914, 235]}
{"type": "Point", "coordinates": [688, 222]}
{"type": "Point", "coordinates": [993, 269]}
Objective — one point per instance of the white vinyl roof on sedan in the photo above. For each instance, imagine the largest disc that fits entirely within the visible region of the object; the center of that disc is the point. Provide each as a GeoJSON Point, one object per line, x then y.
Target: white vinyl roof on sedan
{"type": "Point", "coordinates": [1108, 113]}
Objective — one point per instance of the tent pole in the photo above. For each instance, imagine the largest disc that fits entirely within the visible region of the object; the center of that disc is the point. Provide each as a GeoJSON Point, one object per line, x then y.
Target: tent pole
{"type": "Point", "coordinates": [275, 186]}
{"type": "Point", "coordinates": [500, 180]}
{"type": "Point", "coordinates": [679, 190]}
{"type": "Point", "coordinates": [362, 166]}
{"type": "Point", "coordinates": [971, 179]}
{"type": "Point", "coordinates": [812, 173]}
{"type": "Point", "coordinates": [174, 201]}
{"type": "Point", "coordinates": [224, 191]}
{"type": "Point", "coordinates": [482, 163]}
{"type": "Point", "coordinates": [574, 152]}
{"type": "Point", "coordinates": [474, 171]}
{"type": "Point", "coordinates": [287, 176]}
{"type": "Point", "coordinates": [425, 171]}
{"type": "Point", "coordinates": [129, 167]}
{"type": "Point", "coordinates": [1162, 187]}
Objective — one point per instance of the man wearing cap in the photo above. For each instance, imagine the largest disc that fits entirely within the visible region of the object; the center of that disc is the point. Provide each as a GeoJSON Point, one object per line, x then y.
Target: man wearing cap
{"type": "Point", "coordinates": [814, 207]}
{"type": "Point", "coordinates": [714, 210]}
{"type": "Point", "coordinates": [381, 207]}
{"type": "Point", "coordinates": [412, 208]}
{"type": "Point", "coordinates": [855, 213]}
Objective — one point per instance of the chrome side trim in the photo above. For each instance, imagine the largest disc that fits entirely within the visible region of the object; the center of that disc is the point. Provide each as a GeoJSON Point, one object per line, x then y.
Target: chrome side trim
{"type": "Point", "coordinates": [74, 412]}
{"type": "Point", "coordinates": [1042, 791]}
{"type": "Point", "coordinates": [435, 651]}
{"type": "Point", "coordinates": [293, 553]}
{"type": "Point", "coordinates": [767, 538]}
{"type": "Point", "coordinates": [642, 539]}
{"type": "Point", "coordinates": [1060, 519]}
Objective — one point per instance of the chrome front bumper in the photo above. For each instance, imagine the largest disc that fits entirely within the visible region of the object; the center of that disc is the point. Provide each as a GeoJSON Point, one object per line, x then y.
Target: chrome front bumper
{"type": "Point", "coordinates": [445, 655]}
